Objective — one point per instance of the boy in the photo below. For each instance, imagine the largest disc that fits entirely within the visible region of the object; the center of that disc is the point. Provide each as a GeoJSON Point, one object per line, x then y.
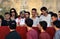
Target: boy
{"type": "Point", "coordinates": [56, 25]}
{"type": "Point", "coordinates": [31, 34]}
{"type": "Point", "coordinates": [42, 27]}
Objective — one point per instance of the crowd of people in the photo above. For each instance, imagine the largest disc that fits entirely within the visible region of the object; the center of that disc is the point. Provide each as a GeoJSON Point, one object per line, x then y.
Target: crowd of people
{"type": "Point", "coordinates": [42, 21]}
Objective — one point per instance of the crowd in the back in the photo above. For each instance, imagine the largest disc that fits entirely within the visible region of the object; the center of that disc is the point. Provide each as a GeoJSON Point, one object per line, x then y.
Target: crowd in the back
{"type": "Point", "coordinates": [42, 21]}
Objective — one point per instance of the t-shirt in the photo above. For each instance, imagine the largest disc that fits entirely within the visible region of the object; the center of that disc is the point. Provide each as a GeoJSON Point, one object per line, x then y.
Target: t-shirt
{"type": "Point", "coordinates": [13, 35]}
{"type": "Point", "coordinates": [57, 35]}
{"type": "Point", "coordinates": [35, 22]}
{"type": "Point", "coordinates": [47, 19]}
{"type": "Point", "coordinates": [32, 34]}
{"type": "Point", "coordinates": [44, 35]}
{"type": "Point", "coordinates": [5, 23]}
{"type": "Point", "coordinates": [20, 21]}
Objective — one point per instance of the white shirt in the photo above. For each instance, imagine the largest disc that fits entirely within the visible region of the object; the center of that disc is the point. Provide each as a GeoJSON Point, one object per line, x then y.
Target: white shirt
{"type": "Point", "coordinates": [21, 21]}
{"type": "Point", "coordinates": [47, 19]}
{"type": "Point", "coordinates": [35, 21]}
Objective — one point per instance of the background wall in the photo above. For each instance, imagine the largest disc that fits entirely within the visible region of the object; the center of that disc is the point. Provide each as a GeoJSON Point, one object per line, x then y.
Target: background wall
{"type": "Point", "coordinates": [52, 5]}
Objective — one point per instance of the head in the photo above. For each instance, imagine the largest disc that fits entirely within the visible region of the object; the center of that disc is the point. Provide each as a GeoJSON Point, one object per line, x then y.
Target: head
{"type": "Point", "coordinates": [7, 15]}
{"type": "Point", "coordinates": [22, 14]}
{"type": "Point", "coordinates": [44, 10]}
{"type": "Point", "coordinates": [1, 18]}
{"type": "Point", "coordinates": [12, 25]}
{"type": "Point", "coordinates": [13, 12]}
{"type": "Point", "coordinates": [34, 12]}
{"type": "Point", "coordinates": [29, 22]}
{"type": "Point", "coordinates": [54, 17]}
{"type": "Point", "coordinates": [42, 25]}
{"type": "Point", "coordinates": [59, 14]}
{"type": "Point", "coordinates": [56, 24]}
{"type": "Point", "coordinates": [27, 14]}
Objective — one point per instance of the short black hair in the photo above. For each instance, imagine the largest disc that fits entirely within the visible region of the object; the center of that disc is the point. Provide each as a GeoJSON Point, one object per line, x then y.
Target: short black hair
{"type": "Point", "coordinates": [27, 12]}
{"type": "Point", "coordinates": [43, 24]}
{"type": "Point", "coordinates": [34, 9]}
{"type": "Point", "coordinates": [12, 25]}
{"type": "Point", "coordinates": [43, 8]}
{"type": "Point", "coordinates": [55, 15]}
{"type": "Point", "coordinates": [29, 22]}
{"type": "Point", "coordinates": [57, 23]}
{"type": "Point", "coordinates": [7, 13]}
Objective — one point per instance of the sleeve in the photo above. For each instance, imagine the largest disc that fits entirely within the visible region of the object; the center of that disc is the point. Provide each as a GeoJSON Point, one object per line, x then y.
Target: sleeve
{"type": "Point", "coordinates": [56, 36]}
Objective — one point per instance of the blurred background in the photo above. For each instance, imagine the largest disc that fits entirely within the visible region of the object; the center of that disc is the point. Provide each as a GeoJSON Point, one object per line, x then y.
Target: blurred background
{"type": "Point", "coordinates": [52, 5]}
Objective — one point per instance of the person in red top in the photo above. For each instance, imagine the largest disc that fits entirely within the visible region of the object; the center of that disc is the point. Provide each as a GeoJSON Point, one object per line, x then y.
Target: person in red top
{"type": "Point", "coordinates": [31, 34]}
{"type": "Point", "coordinates": [42, 27]}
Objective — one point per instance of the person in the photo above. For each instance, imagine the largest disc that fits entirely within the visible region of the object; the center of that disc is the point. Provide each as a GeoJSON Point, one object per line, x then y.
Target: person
{"type": "Point", "coordinates": [27, 14]}
{"type": "Point", "coordinates": [34, 17]}
{"type": "Point", "coordinates": [13, 34]}
{"type": "Point", "coordinates": [54, 17]}
{"type": "Point", "coordinates": [21, 19]}
{"type": "Point", "coordinates": [42, 27]}
{"type": "Point", "coordinates": [1, 19]}
{"type": "Point", "coordinates": [13, 14]}
{"type": "Point", "coordinates": [45, 16]}
{"type": "Point", "coordinates": [31, 34]}
{"type": "Point", "coordinates": [56, 25]}
{"type": "Point", "coordinates": [58, 15]}
{"type": "Point", "coordinates": [7, 19]}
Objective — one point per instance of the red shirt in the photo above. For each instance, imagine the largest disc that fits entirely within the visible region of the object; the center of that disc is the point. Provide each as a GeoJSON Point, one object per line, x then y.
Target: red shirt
{"type": "Point", "coordinates": [32, 34]}
{"type": "Point", "coordinates": [44, 35]}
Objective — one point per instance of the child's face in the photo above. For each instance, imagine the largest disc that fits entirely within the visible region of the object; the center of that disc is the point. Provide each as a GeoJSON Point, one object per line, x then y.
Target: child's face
{"type": "Point", "coordinates": [7, 16]}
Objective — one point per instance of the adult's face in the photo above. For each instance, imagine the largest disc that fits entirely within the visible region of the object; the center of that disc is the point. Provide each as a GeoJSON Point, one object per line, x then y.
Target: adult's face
{"type": "Point", "coordinates": [13, 14]}
{"type": "Point", "coordinates": [33, 12]}
{"type": "Point", "coordinates": [0, 20]}
{"type": "Point", "coordinates": [22, 15]}
{"type": "Point", "coordinates": [27, 15]}
{"type": "Point", "coordinates": [43, 12]}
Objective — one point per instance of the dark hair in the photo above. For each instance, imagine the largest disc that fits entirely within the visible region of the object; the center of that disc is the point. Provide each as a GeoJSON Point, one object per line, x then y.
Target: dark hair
{"type": "Point", "coordinates": [7, 13]}
{"type": "Point", "coordinates": [14, 12]}
{"type": "Point", "coordinates": [22, 12]}
{"type": "Point", "coordinates": [51, 13]}
{"type": "Point", "coordinates": [43, 8]}
{"type": "Point", "coordinates": [43, 24]}
{"type": "Point", "coordinates": [58, 11]}
{"type": "Point", "coordinates": [55, 15]}
{"type": "Point", "coordinates": [1, 17]}
{"type": "Point", "coordinates": [57, 23]}
{"type": "Point", "coordinates": [34, 9]}
{"type": "Point", "coordinates": [27, 12]}
{"type": "Point", "coordinates": [12, 25]}
{"type": "Point", "coordinates": [29, 22]}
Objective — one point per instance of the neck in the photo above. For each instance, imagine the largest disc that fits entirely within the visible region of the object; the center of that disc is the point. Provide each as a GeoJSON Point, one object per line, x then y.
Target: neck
{"type": "Point", "coordinates": [57, 29]}
{"type": "Point", "coordinates": [42, 30]}
{"type": "Point", "coordinates": [29, 28]}
{"type": "Point", "coordinates": [7, 19]}
{"type": "Point", "coordinates": [12, 30]}
{"type": "Point", "coordinates": [45, 14]}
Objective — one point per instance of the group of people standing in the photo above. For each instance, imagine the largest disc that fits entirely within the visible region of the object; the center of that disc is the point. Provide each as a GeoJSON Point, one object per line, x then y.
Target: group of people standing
{"type": "Point", "coordinates": [46, 19]}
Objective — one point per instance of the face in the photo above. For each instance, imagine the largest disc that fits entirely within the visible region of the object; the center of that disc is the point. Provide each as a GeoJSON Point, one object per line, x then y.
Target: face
{"type": "Point", "coordinates": [22, 15]}
{"type": "Point", "coordinates": [54, 18]}
{"type": "Point", "coordinates": [13, 14]}
{"type": "Point", "coordinates": [0, 20]}
{"type": "Point", "coordinates": [39, 26]}
{"type": "Point", "coordinates": [43, 12]}
{"type": "Point", "coordinates": [27, 15]}
{"type": "Point", "coordinates": [7, 16]}
{"type": "Point", "coordinates": [33, 12]}
{"type": "Point", "coordinates": [59, 15]}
